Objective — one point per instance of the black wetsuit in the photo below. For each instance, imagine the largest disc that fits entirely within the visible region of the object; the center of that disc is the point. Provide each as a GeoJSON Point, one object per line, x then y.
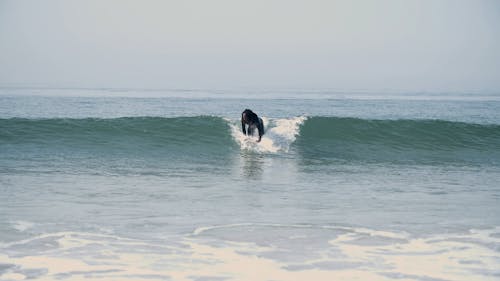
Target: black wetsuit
{"type": "Point", "coordinates": [253, 121]}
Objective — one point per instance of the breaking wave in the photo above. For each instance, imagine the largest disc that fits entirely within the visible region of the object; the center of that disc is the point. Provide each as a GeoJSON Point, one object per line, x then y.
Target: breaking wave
{"type": "Point", "coordinates": [313, 137]}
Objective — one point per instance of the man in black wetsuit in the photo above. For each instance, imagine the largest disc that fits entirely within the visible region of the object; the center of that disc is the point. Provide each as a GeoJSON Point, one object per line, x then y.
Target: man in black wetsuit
{"type": "Point", "coordinates": [253, 121]}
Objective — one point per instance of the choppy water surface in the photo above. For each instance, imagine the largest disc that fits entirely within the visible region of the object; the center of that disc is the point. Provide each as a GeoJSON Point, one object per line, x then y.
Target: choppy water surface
{"type": "Point", "coordinates": [109, 185]}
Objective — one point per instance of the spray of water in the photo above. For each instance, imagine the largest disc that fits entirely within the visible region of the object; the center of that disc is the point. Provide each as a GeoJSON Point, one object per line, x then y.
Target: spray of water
{"type": "Point", "coordinates": [279, 135]}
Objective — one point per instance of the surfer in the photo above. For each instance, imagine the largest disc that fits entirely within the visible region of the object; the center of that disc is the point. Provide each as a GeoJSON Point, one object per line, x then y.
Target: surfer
{"type": "Point", "coordinates": [253, 121]}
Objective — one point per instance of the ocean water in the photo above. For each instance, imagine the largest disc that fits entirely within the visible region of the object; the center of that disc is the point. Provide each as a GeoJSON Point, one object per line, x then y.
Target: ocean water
{"type": "Point", "coordinates": [162, 185]}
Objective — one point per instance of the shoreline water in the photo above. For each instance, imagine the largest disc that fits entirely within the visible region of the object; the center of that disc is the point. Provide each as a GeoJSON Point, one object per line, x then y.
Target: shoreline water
{"type": "Point", "coordinates": [146, 189]}
{"type": "Point", "coordinates": [349, 254]}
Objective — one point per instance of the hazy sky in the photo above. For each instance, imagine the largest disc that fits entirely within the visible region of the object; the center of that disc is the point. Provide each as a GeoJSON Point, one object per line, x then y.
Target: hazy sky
{"type": "Point", "coordinates": [423, 45]}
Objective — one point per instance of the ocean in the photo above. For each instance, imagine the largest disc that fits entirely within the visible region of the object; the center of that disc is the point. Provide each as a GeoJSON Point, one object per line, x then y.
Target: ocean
{"type": "Point", "coordinates": [131, 184]}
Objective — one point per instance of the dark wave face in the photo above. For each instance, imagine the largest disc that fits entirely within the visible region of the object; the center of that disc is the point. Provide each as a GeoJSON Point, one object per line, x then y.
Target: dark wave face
{"type": "Point", "coordinates": [120, 145]}
{"type": "Point", "coordinates": [127, 132]}
{"type": "Point", "coordinates": [207, 137]}
{"type": "Point", "coordinates": [409, 141]}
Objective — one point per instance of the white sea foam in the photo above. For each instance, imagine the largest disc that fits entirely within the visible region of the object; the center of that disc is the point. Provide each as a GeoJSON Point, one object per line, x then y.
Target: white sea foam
{"type": "Point", "coordinates": [279, 135]}
{"type": "Point", "coordinates": [354, 254]}
{"type": "Point", "coordinates": [22, 226]}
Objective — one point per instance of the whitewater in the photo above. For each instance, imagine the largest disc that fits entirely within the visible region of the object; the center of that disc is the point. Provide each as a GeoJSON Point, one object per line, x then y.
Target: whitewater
{"type": "Point", "coordinates": [117, 185]}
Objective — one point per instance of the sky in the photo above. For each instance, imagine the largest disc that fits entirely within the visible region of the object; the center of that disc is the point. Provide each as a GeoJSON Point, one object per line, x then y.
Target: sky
{"type": "Point", "coordinates": [425, 45]}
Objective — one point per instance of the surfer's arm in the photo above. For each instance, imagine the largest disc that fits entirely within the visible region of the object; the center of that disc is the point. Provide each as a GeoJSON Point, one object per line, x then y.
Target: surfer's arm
{"type": "Point", "coordinates": [243, 126]}
{"type": "Point", "coordinates": [260, 128]}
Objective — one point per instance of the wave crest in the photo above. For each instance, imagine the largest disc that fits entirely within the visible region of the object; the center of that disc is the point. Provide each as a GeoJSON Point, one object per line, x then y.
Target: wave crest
{"type": "Point", "coordinates": [416, 141]}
